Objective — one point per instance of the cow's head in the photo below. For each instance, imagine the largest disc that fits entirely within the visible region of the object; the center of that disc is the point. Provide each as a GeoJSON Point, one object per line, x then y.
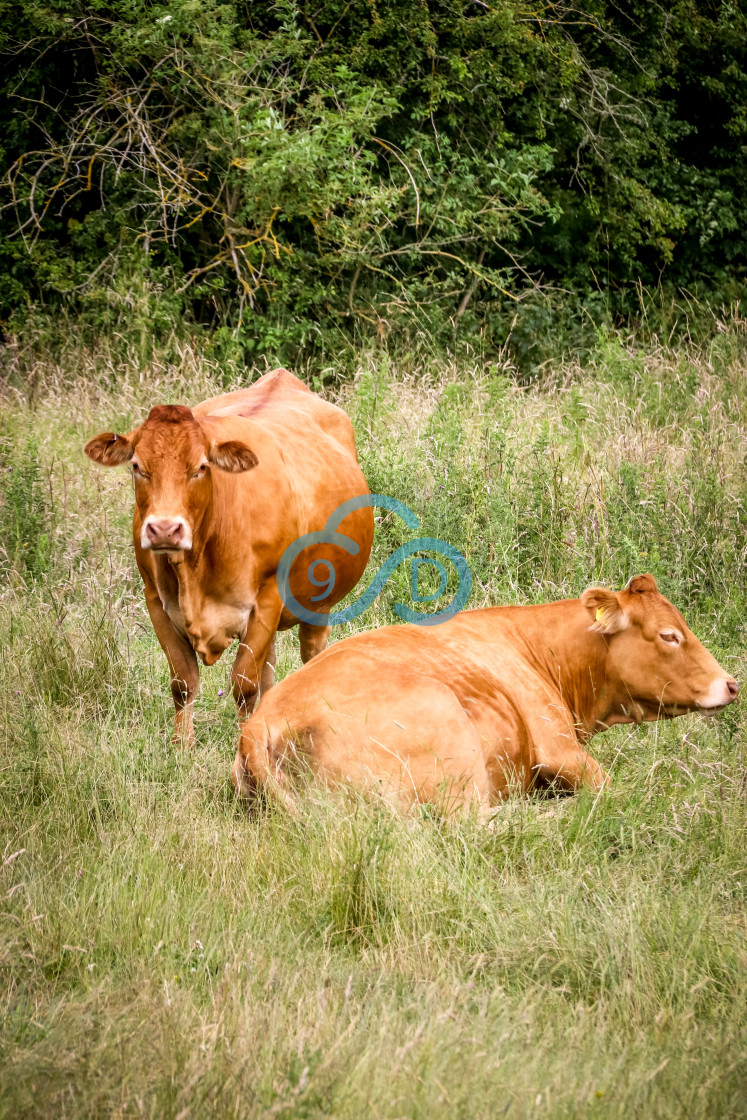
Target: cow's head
{"type": "Point", "coordinates": [171, 459]}
{"type": "Point", "coordinates": [654, 661]}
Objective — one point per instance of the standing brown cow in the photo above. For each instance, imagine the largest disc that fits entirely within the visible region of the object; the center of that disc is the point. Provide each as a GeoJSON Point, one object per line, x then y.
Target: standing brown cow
{"type": "Point", "coordinates": [220, 492]}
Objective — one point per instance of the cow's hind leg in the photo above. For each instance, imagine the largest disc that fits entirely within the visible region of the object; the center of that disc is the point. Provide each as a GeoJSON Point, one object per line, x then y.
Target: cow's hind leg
{"type": "Point", "coordinates": [258, 766]}
{"type": "Point", "coordinates": [313, 639]}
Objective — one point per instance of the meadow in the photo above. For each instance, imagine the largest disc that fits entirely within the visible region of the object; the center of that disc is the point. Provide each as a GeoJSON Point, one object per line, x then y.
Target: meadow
{"type": "Point", "coordinates": [165, 953]}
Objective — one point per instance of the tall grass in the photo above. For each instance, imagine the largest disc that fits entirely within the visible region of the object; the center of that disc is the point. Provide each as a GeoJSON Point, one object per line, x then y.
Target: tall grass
{"type": "Point", "coordinates": [165, 954]}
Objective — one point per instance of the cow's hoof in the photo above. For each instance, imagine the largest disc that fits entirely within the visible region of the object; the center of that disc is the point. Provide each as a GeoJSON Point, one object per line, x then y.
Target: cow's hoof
{"type": "Point", "coordinates": [186, 740]}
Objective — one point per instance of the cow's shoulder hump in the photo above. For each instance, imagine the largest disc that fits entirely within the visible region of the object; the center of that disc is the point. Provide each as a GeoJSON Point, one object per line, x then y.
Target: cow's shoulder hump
{"type": "Point", "coordinates": [271, 390]}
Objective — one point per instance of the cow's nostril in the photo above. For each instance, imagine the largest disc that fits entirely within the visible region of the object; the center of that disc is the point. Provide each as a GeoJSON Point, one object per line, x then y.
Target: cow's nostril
{"type": "Point", "coordinates": [733, 687]}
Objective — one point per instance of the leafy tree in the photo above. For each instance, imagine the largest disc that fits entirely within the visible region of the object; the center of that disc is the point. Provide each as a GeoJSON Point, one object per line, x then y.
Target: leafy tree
{"type": "Point", "coordinates": [273, 171]}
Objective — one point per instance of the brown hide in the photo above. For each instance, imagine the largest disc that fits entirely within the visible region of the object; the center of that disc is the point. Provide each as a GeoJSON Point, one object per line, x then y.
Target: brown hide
{"type": "Point", "coordinates": [221, 491]}
{"type": "Point", "coordinates": [494, 699]}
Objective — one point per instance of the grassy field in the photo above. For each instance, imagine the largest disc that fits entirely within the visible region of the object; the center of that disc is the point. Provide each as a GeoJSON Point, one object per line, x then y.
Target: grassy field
{"type": "Point", "coordinates": [165, 954]}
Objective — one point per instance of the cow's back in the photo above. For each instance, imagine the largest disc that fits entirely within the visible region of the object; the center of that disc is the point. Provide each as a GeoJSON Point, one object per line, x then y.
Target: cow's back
{"type": "Point", "coordinates": [284, 406]}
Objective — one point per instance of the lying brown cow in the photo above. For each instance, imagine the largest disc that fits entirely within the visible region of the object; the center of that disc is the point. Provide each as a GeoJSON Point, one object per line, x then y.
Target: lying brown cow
{"type": "Point", "coordinates": [501, 698]}
{"type": "Point", "coordinates": [220, 492]}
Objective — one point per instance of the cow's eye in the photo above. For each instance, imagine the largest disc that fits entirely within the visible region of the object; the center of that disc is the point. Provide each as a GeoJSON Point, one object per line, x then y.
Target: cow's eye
{"type": "Point", "coordinates": [670, 636]}
{"type": "Point", "coordinates": [200, 471]}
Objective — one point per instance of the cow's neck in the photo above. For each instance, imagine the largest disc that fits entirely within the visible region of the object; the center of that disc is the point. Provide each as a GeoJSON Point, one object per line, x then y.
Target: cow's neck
{"type": "Point", "coordinates": [573, 662]}
{"type": "Point", "coordinates": [182, 564]}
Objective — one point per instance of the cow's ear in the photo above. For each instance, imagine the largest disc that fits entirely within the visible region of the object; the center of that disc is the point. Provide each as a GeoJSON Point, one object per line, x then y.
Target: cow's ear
{"type": "Point", "coordinates": [232, 456]}
{"type": "Point", "coordinates": [109, 449]}
{"type": "Point", "coordinates": [639, 584]}
{"type": "Point", "coordinates": [607, 616]}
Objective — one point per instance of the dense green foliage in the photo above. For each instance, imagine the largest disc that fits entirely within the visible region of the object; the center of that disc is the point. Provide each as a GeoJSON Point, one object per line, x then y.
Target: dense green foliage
{"type": "Point", "coordinates": [284, 172]}
{"type": "Point", "coordinates": [164, 953]}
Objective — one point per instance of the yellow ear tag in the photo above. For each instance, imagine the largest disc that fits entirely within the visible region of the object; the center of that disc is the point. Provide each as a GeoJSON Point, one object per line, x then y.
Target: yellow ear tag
{"type": "Point", "coordinates": [600, 614]}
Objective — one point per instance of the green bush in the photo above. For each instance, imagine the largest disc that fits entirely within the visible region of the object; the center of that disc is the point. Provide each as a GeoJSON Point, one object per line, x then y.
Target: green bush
{"type": "Point", "coordinates": [293, 179]}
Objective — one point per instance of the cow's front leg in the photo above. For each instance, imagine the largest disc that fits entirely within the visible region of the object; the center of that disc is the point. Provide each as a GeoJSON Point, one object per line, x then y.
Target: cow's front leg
{"type": "Point", "coordinates": [267, 678]}
{"type": "Point", "coordinates": [185, 674]}
{"type": "Point", "coordinates": [313, 639]}
{"type": "Point", "coordinates": [257, 648]}
{"type": "Point", "coordinates": [568, 766]}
